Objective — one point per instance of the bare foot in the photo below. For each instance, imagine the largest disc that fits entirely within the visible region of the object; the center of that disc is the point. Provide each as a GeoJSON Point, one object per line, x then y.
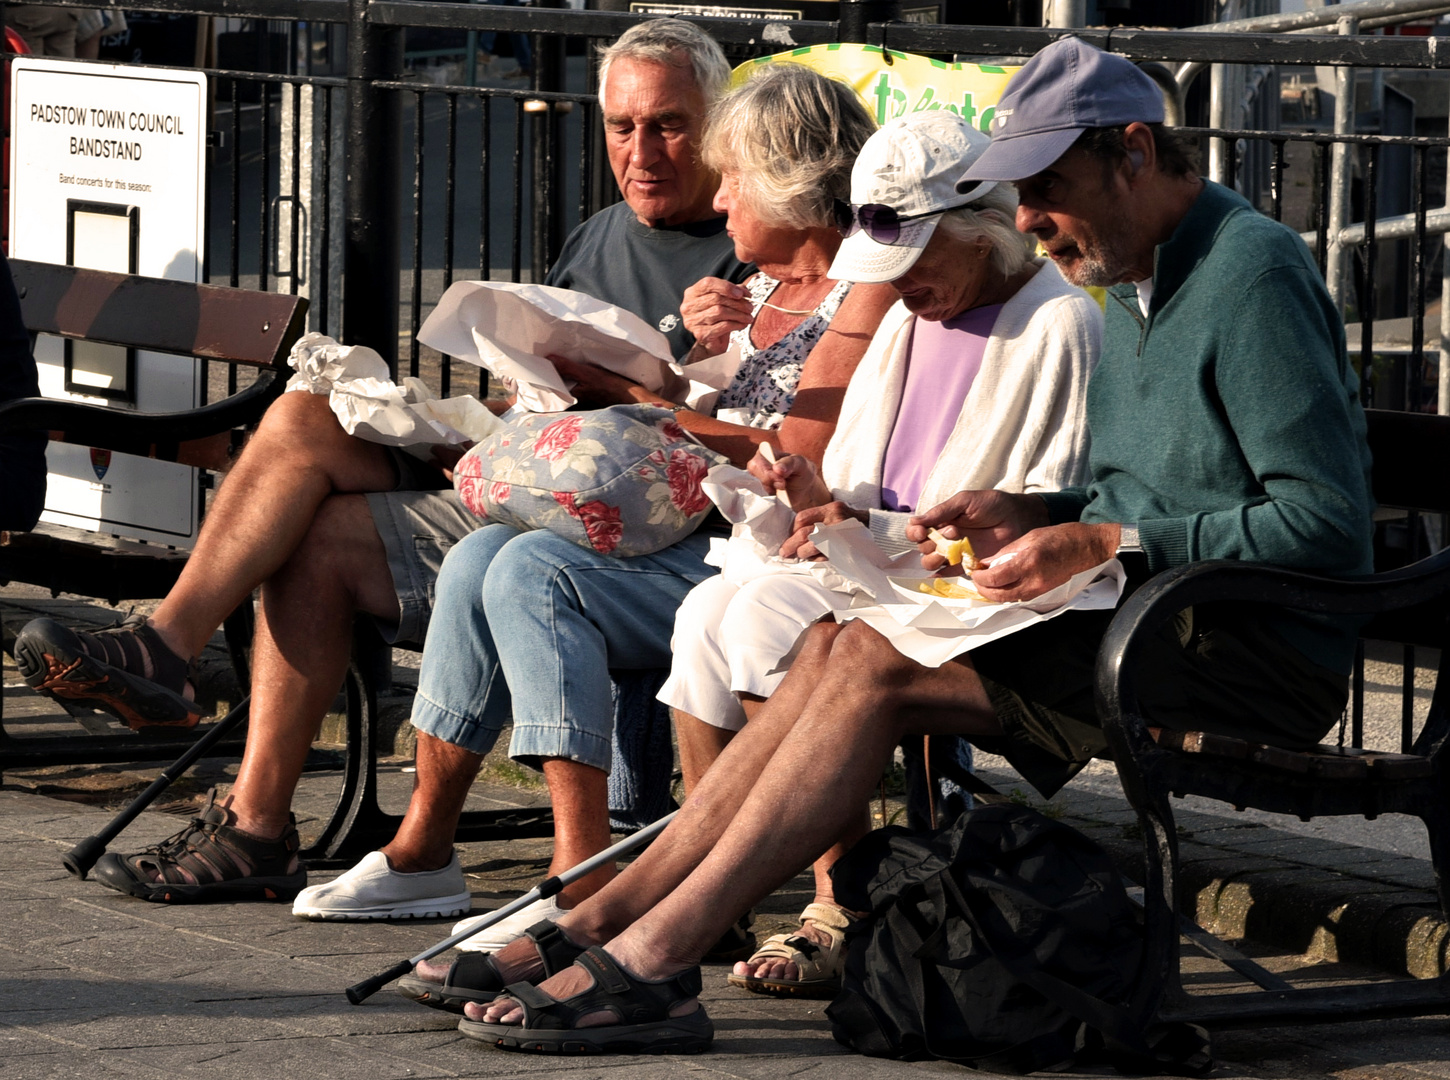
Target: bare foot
{"type": "Point", "coordinates": [518, 961]}
{"type": "Point", "coordinates": [571, 982]}
{"type": "Point", "coordinates": [775, 967]}
{"type": "Point", "coordinates": [814, 937]}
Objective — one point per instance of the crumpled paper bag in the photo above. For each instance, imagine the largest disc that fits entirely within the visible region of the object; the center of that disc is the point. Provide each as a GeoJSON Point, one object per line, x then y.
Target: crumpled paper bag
{"type": "Point", "coordinates": [884, 589]}
{"type": "Point", "coordinates": [511, 329]}
{"type": "Point", "coordinates": [761, 522]}
{"type": "Point", "coordinates": [368, 404]}
{"type": "Point", "coordinates": [705, 379]}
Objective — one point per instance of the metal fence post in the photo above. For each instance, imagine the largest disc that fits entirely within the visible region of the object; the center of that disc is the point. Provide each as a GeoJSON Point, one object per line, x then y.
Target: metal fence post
{"type": "Point", "coordinates": [547, 134]}
{"type": "Point", "coordinates": [856, 15]}
{"type": "Point", "coordinates": [1442, 403]}
{"type": "Point", "coordinates": [370, 268]}
{"type": "Point", "coordinates": [1337, 257]}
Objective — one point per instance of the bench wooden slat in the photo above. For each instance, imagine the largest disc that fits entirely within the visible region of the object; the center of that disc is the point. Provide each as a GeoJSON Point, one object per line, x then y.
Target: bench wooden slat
{"type": "Point", "coordinates": [207, 321]}
{"type": "Point", "coordinates": [1328, 762]}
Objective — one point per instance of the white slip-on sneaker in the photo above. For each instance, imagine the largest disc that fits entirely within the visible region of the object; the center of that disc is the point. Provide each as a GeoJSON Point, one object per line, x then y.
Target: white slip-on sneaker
{"type": "Point", "coordinates": [374, 890]}
{"type": "Point", "coordinates": [495, 937]}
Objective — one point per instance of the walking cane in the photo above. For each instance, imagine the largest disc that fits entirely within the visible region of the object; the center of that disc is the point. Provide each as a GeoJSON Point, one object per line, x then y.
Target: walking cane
{"type": "Point", "coordinates": [546, 888]}
{"type": "Point", "coordinates": [83, 856]}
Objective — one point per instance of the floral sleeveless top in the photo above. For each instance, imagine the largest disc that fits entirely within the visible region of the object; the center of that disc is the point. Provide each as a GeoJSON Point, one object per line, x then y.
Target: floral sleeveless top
{"type": "Point", "coordinates": [764, 387]}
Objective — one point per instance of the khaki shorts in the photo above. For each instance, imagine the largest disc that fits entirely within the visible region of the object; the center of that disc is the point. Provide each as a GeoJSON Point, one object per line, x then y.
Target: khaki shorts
{"type": "Point", "coordinates": [1236, 678]}
{"type": "Point", "coordinates": [419, 521]}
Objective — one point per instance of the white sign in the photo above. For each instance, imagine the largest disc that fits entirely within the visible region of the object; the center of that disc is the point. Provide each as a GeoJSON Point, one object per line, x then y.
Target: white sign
{"type": "Point", "coordinates": [108, 171]}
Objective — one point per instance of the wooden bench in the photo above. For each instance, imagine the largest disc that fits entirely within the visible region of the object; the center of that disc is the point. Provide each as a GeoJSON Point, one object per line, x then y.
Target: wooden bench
{"type": "Point", "coordinates": [1408, 605]}
{"type": "Point", "coordinates": [233, 326]}
{"type": "Point", "coordinates": [237, 327]}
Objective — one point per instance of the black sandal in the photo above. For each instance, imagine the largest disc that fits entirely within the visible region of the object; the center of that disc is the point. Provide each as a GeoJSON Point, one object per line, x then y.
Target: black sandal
{"type": "Point", "coordinates": [124, 670]}
{"type": "Point", "coordinates": [475, 977]}
{"type": "Point", "coordinates": [642, 1007]}
{"type": "Point", "coordinates": [226, 863]}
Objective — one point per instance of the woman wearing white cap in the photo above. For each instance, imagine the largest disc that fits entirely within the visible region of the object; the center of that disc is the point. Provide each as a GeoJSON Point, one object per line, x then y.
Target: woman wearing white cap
{"type": "Point", "coordinates": [977, 378]}
{"type": "Point", "coordinates": [1029, 341]}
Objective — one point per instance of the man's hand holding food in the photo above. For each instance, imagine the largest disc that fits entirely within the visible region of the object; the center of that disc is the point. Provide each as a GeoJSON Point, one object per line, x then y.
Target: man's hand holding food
{"type": "Point", "coordinates": [1021, 556]}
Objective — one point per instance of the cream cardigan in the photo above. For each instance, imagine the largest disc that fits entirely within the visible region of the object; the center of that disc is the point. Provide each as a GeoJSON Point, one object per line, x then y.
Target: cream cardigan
{"type": "Point", "coordinates": [1023, 426]}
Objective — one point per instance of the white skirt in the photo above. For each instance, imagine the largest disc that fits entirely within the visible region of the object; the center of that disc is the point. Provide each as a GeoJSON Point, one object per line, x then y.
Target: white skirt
{"type": "Point", "coordinates": [734, 639]}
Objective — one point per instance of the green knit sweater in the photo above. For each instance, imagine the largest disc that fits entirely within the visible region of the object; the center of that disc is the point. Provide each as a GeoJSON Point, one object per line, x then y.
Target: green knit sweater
{"type": "Point", "coordinates": [1227, 424]}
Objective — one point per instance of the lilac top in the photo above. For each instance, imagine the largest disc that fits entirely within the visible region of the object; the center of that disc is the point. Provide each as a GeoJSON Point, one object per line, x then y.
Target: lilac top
{"type": "Point", "coordinates": [942, 360]}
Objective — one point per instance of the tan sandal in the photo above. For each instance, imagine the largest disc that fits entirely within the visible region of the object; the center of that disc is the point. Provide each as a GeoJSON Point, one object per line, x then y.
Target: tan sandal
{"type": "Point", "coordinates": [819, 966]}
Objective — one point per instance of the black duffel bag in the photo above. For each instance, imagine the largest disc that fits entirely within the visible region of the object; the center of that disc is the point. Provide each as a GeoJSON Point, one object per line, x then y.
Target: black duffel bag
{"type": "Point", "coordinates": [1004, 941]}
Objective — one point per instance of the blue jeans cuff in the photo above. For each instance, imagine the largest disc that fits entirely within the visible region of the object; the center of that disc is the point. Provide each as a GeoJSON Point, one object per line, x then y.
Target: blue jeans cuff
{"type": "Point", "coordinates": [465, 732]}
{"type": "Point", "coordinates": [532, 743]}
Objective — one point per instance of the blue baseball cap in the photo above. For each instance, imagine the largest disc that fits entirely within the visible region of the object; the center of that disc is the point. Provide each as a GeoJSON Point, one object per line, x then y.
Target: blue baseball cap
{"type": "Point", "coordinates": [1065, 89]}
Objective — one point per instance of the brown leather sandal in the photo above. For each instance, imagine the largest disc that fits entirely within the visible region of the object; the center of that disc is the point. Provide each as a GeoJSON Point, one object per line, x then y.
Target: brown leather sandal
{"type": "Point", "coordinates": [222, 861]}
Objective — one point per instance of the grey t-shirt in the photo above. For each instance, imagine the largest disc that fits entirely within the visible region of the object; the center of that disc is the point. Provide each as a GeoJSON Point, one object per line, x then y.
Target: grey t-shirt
{"type": "Point", "coordinates": [617, 259]}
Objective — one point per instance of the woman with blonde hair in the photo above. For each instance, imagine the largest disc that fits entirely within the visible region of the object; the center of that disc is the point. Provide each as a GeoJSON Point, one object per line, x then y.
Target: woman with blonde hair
{"type": "Point", "coordinates": [529, 625]}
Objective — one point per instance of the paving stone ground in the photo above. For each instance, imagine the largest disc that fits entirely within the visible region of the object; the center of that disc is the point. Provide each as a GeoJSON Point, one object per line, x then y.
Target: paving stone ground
{"type": "Point", "coordinates": [96, 984]}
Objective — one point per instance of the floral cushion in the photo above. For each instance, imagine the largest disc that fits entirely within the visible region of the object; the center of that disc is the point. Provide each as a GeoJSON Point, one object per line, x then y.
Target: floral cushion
{"type": "Point", "coordinates": [623, 480]}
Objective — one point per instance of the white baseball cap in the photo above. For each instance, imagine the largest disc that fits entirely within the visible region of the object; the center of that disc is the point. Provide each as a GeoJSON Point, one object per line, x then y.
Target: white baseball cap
{"type": "Point", "coordinates": [910, 167]}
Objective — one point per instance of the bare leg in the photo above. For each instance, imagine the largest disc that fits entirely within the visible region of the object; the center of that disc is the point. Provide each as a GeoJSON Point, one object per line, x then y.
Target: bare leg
{"type": "Point", "coordinates": [708, 810]}
{"type": "Point", "coordinates": [679, 848]}
{"type": "Point", "coordinates": [300, 653]}
{"type": "Point", "coordinates": [700, 744]}
{"type": "Point", "coordinates": [580, 794]}
{"type": "Point", "coordinates": [580, 797]}
{"type": "Point", "coordinates": [424, 840]}
{"type": "Point", "coordinates": [862, 697]}
{"type": "Point", "coordinates": [298, 457]}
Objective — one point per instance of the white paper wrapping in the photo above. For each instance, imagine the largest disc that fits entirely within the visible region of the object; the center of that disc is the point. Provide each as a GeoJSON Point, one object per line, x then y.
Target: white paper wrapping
{"type": "Point", "coordinates": [512, 329]}
{"type": "Point", "coordinates": [368, 404]}
{"type": "Point", "coordinates": [706, 378]}
{"type": "Point", "coordinates": [884, 591]}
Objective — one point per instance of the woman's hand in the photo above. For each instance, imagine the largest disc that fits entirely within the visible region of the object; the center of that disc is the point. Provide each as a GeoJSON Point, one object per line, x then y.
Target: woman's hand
{"type": "Point", "coordinates": [798, 546]}
{"type": "Point", "coordinates": [793, 477]}
{"type": "Point", "coordinates": [712, 309]}
{"type": "Point", "coordinates": [594, 386]}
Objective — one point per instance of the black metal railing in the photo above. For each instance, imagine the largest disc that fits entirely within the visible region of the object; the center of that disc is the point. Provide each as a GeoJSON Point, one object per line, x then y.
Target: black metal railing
{"type": "Point", "coordinates": [374, 191]}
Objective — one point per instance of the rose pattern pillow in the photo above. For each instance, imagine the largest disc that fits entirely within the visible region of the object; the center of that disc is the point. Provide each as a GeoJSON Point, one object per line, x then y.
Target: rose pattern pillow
{"type": "Point", "coordinates": [621, 481]}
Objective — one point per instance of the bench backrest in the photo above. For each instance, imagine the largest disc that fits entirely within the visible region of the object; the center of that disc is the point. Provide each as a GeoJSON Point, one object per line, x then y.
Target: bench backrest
{"type": "Point", "coordinates": [210, 322]}
{"type": "Point", "coordinates": [206, 321]}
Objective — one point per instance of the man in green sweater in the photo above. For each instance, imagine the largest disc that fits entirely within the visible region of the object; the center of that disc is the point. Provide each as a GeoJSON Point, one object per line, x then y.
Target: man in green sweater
{"type": "Point", "coordinates": [1226, 424]}
{"type": "Point", "coordinates": [1225, 420]}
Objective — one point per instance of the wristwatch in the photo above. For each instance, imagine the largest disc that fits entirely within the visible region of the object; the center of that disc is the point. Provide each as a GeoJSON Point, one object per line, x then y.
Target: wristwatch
{"type": "Point", "coordinates": [1128, 539]}
{"type": "Point", "coordinates": [676, 408]}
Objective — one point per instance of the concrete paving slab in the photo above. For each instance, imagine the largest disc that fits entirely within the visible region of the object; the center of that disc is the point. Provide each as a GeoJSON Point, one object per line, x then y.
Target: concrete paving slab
{"type": "Point", "coordinates": [97, 984]}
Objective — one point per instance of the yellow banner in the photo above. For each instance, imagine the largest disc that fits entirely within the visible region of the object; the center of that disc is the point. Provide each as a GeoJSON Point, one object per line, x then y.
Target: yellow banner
{"type": "Point", "coordinates": [894, 83]}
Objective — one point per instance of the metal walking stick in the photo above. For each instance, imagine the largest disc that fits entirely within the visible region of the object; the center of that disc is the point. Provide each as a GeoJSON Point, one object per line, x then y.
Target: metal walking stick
{"type": "Point", "coordinates": [546, 888]}
{"type": "Point", "coordinates": [79, 859]}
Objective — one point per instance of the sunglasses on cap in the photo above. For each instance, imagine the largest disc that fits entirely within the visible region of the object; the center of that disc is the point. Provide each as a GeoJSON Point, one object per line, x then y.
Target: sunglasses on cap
{"type": "Point", "coordinates": [883, 224]}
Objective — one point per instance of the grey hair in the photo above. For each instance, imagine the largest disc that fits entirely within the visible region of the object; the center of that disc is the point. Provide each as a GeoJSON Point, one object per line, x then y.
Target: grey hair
{"type": "Point", "coordinates": [673, 43]}
{"type": "Point", "coordinates": [791, 135]}
{"type": "Point", "coordinates": [994, 217]}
